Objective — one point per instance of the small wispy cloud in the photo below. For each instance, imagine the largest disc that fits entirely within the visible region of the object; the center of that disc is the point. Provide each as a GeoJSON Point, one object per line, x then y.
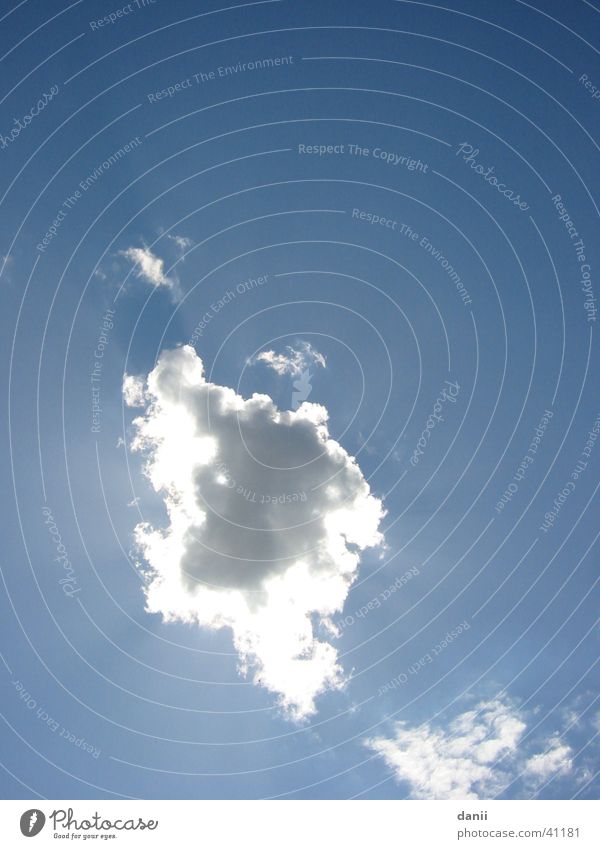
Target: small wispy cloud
{"type": "Point", "coordinates": [151, 269]}
{"type": "Point", "coordinates": [182, 243]}
{"type": "Point", "coordinates": [293, 360]}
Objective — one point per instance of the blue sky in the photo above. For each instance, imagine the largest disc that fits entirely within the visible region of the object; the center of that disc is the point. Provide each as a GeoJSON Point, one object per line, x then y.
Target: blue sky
{"type": "Point", "coordinates": [386, 212]}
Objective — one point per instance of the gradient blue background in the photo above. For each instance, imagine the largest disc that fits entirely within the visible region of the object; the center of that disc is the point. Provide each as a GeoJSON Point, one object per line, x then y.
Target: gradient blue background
{"type": "Point", "coordinates": [219, 164]}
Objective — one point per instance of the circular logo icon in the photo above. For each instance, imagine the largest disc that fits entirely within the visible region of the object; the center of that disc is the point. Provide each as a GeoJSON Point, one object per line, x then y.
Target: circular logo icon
{"type": "Point", "coordinates": [32, 822]}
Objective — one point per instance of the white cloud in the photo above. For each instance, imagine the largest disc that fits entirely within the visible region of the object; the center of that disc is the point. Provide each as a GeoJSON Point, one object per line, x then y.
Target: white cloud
{"type": "Point", "coordinates": [150, 268]}
{"type": "Point", "coordinates": [556, 760]}
{"type": "Point", "coordinates": [267, 519]}
{"type": "Point", "coordinates": [456, 763]}
{"type": "Point", "coordinates": [182, 243]}
{"type": "Point", "coordinates": [133, 390]}
{"type": "Point", "coordinates": [477, 756]}
{"type": "Point", "coordinates": [295, 361]}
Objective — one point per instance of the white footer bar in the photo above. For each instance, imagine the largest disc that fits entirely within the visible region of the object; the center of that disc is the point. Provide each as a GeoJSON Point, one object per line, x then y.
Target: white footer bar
{"type": "Point", "coordinates": [302, 824]}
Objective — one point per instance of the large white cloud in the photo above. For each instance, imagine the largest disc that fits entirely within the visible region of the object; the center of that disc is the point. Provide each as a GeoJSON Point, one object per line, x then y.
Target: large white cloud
{"type": "Point", "coordinates": [475, 757]}
{"type": "Point", "coordinates": [267, 517]}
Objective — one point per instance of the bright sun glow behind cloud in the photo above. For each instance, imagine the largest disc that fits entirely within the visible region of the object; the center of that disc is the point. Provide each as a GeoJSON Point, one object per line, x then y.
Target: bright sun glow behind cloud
{"type": "Point", "coordinates": [267, 517]}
